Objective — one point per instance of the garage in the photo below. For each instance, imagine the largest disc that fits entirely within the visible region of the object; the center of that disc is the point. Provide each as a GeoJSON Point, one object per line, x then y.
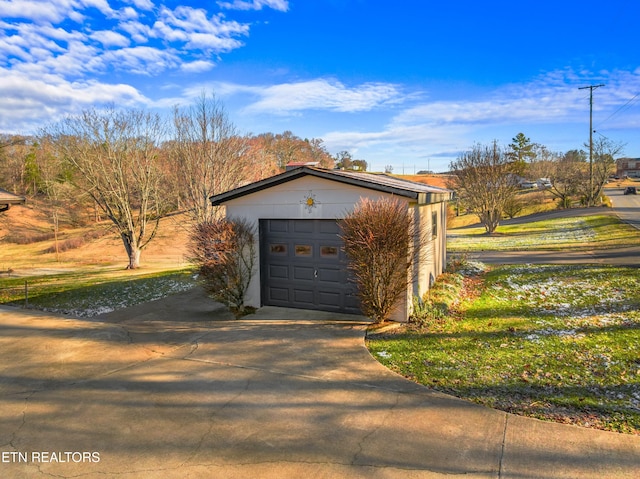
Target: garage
{"type": "Point", "coordinates": [296, 217]}
{"type": "Point", "coordinates": [304, 266]}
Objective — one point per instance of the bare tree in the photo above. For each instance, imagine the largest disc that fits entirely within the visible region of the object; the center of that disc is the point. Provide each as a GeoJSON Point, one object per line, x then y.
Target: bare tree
{"type": "Point", "coordinates": [13, 152]}
{"type": "Point", "coordinates": [603, 165]}
{"type": "Point", "coordinates": [54, 183]}
{"type": "Point", "coordinates": [484, 179]}
{"type": "Point", "coordinates": [566, 173]}
{"type": "Point", "coordinates": [114, 154]}
{"type": "Point", "coordinates": [208, 155]}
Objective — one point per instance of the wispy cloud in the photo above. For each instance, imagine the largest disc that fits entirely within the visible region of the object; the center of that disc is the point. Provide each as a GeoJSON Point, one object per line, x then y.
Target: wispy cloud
{"type": "Point", "coordinates": [110, 38]}
{"type": "Point", "coordinates": [143, 4]}
{"type": "Point", "coordinates": [319, 94]}
{"type": "Point", "coordinates": [281, 5]}
{"type": "Point", "coordinates": [441, 129]}
{"type": "Point", "coordinates": [552, 98]}
{"type": "Point", "coordinates": [197, 30]}
{"type": "Point", "coordinates": [197, 66]}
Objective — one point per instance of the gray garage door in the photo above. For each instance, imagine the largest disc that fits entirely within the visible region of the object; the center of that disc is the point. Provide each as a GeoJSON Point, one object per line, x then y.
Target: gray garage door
{"type": "Point", "coordinates": [303, 266]}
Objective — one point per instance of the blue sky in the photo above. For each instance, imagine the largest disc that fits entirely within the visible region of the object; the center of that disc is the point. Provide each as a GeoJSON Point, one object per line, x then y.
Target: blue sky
{"type": "Point", "coordinates": [408, 83]}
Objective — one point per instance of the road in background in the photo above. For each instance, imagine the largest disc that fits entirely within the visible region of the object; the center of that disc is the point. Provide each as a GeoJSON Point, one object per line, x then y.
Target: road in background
{"type": "Point", "coordinates": [626, 207]}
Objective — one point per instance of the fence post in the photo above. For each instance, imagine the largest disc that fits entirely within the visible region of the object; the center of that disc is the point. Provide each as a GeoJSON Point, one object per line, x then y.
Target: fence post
{"type": "Point", "coordinates": [26, 293]}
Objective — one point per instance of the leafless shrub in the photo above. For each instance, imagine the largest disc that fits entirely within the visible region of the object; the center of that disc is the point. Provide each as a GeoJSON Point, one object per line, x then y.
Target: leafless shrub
{"type": "Point", "coordinates": [223, 251]}
{"type": "Point", "coordinates": [66, 245]}
{"type": "Point", "coordinates": [75, 243]}
{"type": "Point", "coordinates": [28, 238]}
{"type": "Point", "coordinates": [378, 237]}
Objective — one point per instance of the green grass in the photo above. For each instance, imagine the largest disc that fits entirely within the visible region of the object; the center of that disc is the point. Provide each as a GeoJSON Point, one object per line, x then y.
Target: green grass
{"type": "Point", "coordinates": [90, 292]}
{"type": "Point", "coordinates": [551, 342]}
{"type": "Point", "coordinates": [583, 232]}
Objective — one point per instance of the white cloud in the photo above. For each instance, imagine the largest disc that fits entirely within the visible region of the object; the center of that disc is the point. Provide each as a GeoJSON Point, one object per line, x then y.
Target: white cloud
{"type": "Point", "coordinates": [281, 5]}
{"type": "Point", "coordinates": [199, 32]}
{"type": "Point", "coordinates": [110, 38]}
{"type": "Point", "coordinates": [33, 102]}
{"type": "Point", "coordinates": [138, 31]}
{"type": "Point", "coordinates": [143, 60]}
{"type": "Point", "coordinates": [197, 66]}
{"type": "Point", "coordinates": [36, 11]}
{"type": "Point", "coordinates": [210, 41]}
{"type": "Point", "coordinates": [322, 94]}
{"type": "Point", "coordinates": [128, 13]}
{"type": "Point", "coordinates": [551, 98]}
{"type": "Point", "coordinates": [143, 4]}
{"type": "Point", "coordinates": [162, 39]}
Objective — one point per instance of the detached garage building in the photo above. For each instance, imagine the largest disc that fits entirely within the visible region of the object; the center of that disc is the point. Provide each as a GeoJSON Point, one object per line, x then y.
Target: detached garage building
{"type": "Point", "coordinates": [301, 263]}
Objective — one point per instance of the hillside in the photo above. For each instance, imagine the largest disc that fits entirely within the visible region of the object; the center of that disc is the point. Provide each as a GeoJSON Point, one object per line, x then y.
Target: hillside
{"type": "Point", "coordinates": [27, 245]}
{"type": "Point", "coordinates": [434, 180]}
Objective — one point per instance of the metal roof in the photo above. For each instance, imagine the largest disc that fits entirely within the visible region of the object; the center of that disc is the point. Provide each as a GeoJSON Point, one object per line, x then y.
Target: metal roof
{"type": "Point", "coordinates": [422, 193]}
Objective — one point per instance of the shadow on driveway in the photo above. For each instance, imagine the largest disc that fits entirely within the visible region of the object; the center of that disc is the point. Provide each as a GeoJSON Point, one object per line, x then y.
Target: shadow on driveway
{"type": "Point", "coordinates": [176, 389]}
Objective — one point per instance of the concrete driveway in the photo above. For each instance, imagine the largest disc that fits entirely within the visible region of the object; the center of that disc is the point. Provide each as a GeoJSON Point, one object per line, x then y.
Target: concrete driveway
{"type": "Point", "coordinates": [175, 389]}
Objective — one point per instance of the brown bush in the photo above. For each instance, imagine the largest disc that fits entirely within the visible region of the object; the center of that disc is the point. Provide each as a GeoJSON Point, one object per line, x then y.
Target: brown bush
{"type": "Point", "coordinates": [77, 242]}
{"type": "Point", "coordinates": [377, 237]}
{"type": "Point", "coordinates": [66, 245]}
{"type": "Point", "coordinates": [223, 251]}
{"type": "Point", "coordinates": [28, 238]}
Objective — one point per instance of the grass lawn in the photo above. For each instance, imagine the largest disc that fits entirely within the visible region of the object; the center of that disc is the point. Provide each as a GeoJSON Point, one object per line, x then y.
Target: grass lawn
{"type": "Point", "coordinates": [583, 232]}
{"type": "Point", "coordinates": [552, 342]}
{"type": "Point", "coordinates": [89, 292]}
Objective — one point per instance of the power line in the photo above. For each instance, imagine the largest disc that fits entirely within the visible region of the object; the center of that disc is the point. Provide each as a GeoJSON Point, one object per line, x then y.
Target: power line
{"type": "Point", "coordinates": [627, 105]}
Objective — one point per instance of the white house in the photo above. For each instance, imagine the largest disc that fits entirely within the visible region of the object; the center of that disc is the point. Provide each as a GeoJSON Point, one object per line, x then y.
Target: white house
{"type": "Point", "coordinates": [301, 263]}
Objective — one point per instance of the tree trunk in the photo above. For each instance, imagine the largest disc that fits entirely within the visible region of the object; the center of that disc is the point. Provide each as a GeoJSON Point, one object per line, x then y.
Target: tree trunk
{"type": "Point", "coordinates": [491, 220]}
{"type": "Point", "coordinates": [132, 251]}
{"type": "Point", "coordinates": [55, 233]}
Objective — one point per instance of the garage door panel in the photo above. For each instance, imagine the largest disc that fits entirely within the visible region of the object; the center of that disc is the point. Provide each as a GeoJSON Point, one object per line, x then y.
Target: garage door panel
{"type": "Point", "coordinates": [329, 227]}
{"type": "Point", "coordinates": [329, 299]}
{"type": "Point", "coordinates": [278, 226]}
{"type": "Point", "coordinates": [303, 226]}
{"type": "Point", "coordinates": [330, 275]}
{"type": "Point", "coordinates": [279, 294]}
{"type": "Point", "coordinates": [304, 273]}
{"type": "Point", "coordinates": [303, 297]}
{"type": "Point", "coordinates": [278, 272]}
{"type": "Point", "coordinates": [352, 303]}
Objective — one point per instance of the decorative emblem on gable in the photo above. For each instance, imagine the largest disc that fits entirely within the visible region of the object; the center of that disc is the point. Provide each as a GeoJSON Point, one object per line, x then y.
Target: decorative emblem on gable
{"type": "Point", "coordinates": [309, 201]}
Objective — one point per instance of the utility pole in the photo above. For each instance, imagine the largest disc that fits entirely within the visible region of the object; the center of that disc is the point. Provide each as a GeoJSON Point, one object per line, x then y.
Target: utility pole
{"type": "Point", "coordinates": [590, 200]}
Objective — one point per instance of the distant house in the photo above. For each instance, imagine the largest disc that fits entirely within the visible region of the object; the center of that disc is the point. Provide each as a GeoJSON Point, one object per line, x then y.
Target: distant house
{"type": "Point", "coordinates": [628, 167]}
{"type": "Point", "coordinates": [301, 261]}
{"type": "Point", "coordinates": [7, 199]}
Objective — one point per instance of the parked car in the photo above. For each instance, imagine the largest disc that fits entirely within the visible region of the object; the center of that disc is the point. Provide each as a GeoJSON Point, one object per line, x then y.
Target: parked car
{"type": "Point", "coordinates": [528, 185]}
{"type": "Point", "coordinates": [544, 183]}
{"type": "Point", "coordinates": [630, 190]}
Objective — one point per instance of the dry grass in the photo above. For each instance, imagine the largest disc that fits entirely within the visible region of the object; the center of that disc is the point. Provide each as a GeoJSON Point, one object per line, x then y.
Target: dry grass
{"type": "Point", "coordinates": [97, 245]}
